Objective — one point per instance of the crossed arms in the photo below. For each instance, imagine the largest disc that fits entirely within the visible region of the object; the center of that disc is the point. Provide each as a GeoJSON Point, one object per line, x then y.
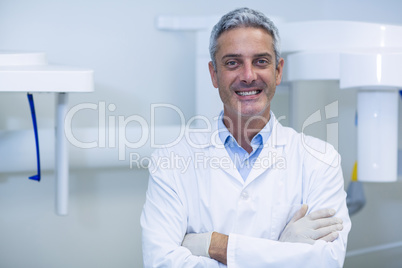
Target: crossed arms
{"type": "Point", "coordinates": [311, 239]}
{"type": "Point", "coordinates": [302, 228]}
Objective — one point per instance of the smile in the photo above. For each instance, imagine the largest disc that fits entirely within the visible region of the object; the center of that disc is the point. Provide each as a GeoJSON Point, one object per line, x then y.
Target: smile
{"type": "Point", "coordinates": [248, 93]}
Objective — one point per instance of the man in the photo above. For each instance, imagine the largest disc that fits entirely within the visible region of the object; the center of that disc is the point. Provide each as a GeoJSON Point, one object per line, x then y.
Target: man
{"type": "Point", "coordinates": [244, 198]}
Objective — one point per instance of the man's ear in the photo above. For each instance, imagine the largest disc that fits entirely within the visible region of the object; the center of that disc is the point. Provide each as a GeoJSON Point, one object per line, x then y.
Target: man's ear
{"type": "Point", "coordinates": [213, 74]}
{"type": "Point", "coordinates": [279, 71]}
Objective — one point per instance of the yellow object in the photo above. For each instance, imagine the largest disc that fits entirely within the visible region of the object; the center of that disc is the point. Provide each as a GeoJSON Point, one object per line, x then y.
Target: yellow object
{"type": "Point", "coordinates": [354, 172]}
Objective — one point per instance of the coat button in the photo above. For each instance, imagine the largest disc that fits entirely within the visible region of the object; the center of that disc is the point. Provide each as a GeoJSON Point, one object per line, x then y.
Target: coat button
{"type": "Point", "coordinates": [244, 195]}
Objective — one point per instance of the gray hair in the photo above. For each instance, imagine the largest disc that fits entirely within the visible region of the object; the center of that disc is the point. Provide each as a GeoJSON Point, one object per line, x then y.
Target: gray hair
{"type": "Point", "coordinates": [243, 17]}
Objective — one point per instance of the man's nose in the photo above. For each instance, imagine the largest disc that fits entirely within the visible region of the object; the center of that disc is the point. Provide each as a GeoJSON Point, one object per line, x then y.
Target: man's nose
{"type": "Point", "coordinates": [248, 74]}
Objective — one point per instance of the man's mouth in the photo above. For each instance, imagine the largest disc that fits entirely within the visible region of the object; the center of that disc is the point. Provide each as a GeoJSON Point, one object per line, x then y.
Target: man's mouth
{"type": "Point", "coordinates": [248, 93]}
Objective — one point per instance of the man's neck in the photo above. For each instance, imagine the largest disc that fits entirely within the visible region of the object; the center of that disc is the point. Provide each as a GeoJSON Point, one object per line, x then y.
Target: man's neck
{"type": "Point", "coordinates": [244, 128]}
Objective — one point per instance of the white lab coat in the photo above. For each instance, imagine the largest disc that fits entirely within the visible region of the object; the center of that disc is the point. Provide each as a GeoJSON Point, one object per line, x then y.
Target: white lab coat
{"type": "Point", "coordinates": [210, 195]}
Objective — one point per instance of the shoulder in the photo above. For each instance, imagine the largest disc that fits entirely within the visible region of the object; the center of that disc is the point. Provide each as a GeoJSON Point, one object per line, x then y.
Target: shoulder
{"type": "Point", "coordinates": [320, 152]}
{"type": "Point", "coordinates": [309, 148]}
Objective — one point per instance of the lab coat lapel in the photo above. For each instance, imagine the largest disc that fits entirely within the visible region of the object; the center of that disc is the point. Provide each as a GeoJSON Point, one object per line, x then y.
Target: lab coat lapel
{"type": "Point", "coordinates": [268, 159]}
{"type": "Point", "coordinates": [221, 153]}
{"type": "Point", "coordinates": [271, 155]}
{"type": "Point", "coordinates": [217, 150]}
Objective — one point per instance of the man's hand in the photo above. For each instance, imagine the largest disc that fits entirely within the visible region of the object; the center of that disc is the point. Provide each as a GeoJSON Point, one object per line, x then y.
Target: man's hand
{"type": "Point", "coordinates": [198, 244]}
{"type": "Point", "coordinates": [307, 229]}
{"type": "Point", "coordinates": [212, 245]}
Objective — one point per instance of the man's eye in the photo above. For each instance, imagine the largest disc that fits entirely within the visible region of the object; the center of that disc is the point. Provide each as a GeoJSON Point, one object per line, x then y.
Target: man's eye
{"type": "Point", "coordinates": [262, 62]}
{"type": "Point", "coordinates": [231, 63]}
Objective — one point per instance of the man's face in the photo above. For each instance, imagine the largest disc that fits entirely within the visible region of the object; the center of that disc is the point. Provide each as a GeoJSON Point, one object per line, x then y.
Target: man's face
{"type": "Point", "coordinates": [246, 72]}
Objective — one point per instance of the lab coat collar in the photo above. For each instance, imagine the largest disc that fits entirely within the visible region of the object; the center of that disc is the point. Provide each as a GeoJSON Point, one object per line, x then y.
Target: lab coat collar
{"type": "Point", "coordinates": [277, 137]}
{"type": "Point", "coordinates": [269, 156]}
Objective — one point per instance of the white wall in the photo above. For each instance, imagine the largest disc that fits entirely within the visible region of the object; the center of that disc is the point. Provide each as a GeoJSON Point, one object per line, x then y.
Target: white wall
{"type": "Point", "coordinates": [137, 65]}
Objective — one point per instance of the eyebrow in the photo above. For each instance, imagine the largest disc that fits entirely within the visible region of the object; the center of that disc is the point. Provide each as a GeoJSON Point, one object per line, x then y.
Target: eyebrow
{"type": "Point", "coordinates": [231, 56]}
{"type": "Point", "coordinates": [240, 55]}
{"type": "Point", "coordinates": [263, 55]}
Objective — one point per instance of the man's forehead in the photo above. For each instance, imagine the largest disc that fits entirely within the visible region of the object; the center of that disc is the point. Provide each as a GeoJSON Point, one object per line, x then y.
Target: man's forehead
{"type": "Point", "coordinates": [252, 40]}
{"type": "Point", "coordinates": [229, 32]}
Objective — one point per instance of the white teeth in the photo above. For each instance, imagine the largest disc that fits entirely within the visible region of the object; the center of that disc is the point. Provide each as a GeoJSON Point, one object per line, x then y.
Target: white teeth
{"type": "Point", "coordinates": [247, 93]}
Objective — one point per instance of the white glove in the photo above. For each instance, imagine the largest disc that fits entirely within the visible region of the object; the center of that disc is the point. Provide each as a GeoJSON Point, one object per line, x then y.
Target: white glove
{"type": "Point", "coordinates": [307, 229]}
{"type": "Point", "coordinates": [198, 244]}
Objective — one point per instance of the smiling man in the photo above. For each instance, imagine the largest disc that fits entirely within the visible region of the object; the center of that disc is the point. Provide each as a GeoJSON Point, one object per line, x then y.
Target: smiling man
{"type": "Point", "coordinates": [246, 72]}
{"type": "Point", "coordinates": [275, 204]}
